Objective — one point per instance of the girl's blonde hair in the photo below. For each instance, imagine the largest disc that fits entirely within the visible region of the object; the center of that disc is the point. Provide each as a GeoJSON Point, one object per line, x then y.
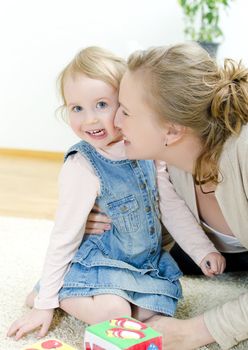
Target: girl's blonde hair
{"type": "Point", "coordinates": [185, 86]}
{"type": "Point", "coordinates": [96, 63]}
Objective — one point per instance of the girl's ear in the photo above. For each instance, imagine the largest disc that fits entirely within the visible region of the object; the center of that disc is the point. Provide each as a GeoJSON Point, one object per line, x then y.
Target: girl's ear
{"type": "Point", "coordinates": [173, 133]}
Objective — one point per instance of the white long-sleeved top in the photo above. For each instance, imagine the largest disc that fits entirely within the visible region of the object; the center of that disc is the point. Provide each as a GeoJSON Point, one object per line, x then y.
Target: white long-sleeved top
{"type": "Point", "coordinates": [78, 189]}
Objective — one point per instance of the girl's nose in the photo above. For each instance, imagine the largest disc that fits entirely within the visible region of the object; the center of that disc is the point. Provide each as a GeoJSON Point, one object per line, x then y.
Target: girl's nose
{"type": "Point", "coordinates": [90, 121]}
{"type": "Point", "coordinates": [90, 118]}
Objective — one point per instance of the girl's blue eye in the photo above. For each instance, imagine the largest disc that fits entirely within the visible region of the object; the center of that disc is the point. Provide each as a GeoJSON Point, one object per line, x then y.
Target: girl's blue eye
{"type": "Point", "coordinates": [77, 109]}
{"type": "Point", "coordinates": [101, 105]}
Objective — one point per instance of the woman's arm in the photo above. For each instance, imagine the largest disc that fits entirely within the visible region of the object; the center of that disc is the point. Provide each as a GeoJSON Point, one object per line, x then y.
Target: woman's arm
{"type": "Point", "coordinates": [177, 334]}
{"type": "Point", "coordinates": [228, 323]}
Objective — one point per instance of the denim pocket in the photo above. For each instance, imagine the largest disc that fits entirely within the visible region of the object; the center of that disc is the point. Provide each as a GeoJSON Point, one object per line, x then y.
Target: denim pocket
{"type": "Point", "coordinates": [125, 214]}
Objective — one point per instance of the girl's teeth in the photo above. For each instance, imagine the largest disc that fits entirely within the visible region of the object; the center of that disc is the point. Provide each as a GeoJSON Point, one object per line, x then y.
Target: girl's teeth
{"type": "Point", "coordinates": [96, 132]}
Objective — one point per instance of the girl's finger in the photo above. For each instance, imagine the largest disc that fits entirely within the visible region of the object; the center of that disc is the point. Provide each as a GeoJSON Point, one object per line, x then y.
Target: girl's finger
{"type": "Point", "coordinates": [24, 330]}
{"type": "Point", "coordinates": [44, 329]}
{"type": "Point", "coordinates": [214, 267]}
{"type": "Point", "coordinates": [27, 327]}
{"type": "Point", "coordinates": [13, 328]}
{"type": "Point", "coordinates": [207, 272]}
{"type": "Point", "coordinates": [223, 266]}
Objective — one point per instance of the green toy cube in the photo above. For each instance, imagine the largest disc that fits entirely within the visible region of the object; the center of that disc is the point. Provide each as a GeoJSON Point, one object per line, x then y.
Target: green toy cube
{"type": "Point", "coordinates": [123, 333]}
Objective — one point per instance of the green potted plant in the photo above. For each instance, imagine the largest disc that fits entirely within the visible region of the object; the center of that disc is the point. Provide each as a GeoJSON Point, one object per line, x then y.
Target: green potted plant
{"type": "Point", "coordinates": [202, 21]}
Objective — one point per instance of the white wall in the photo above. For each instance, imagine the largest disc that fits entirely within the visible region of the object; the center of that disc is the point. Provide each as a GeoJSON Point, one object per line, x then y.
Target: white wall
{"type": "Point", "coordinates": [39, 37]}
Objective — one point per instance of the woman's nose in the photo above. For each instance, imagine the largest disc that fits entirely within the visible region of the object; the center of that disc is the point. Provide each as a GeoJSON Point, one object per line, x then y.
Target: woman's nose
{"type": "Point", "coordinates": [117, 121]}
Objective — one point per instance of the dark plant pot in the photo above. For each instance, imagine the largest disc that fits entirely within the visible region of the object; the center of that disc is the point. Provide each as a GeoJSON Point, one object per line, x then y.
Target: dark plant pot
{"type": "Point", "coordinates": [211, 48]}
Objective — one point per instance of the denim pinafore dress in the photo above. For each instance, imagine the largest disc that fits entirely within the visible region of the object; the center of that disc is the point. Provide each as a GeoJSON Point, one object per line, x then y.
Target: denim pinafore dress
{"type": "Point", "coordinates": [126, 260]}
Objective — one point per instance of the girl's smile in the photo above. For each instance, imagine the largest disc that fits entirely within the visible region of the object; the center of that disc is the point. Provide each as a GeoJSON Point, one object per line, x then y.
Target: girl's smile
{"type": "Point", "coordinates": [97, 134]}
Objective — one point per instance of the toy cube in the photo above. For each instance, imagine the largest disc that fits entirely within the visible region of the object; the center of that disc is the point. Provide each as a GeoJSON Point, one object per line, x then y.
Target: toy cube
{"type": "Point", "coordinates": [123, 333]}
{"type": "Point", "coordinates": [50, 344]}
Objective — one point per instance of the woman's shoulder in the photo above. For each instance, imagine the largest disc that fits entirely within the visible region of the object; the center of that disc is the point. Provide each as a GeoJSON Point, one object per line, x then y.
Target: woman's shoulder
{"type": "Point", "coordinates": [235, 150]}
{"type": "Point", "coordinates": [238, 142]}
{"type": "Point", "coordinates": [243, 136]}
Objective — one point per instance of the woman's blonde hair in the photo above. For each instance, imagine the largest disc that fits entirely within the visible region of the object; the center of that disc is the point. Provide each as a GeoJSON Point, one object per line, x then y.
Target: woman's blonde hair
{"type": "Point", "coordinates": [96, 63]}
{"type": "Point", "coordinates": [185, 86]}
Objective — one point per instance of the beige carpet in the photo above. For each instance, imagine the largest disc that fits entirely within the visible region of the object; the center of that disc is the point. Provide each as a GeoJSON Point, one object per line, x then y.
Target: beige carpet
{"type": "Point", "coordinates": [23, 244]}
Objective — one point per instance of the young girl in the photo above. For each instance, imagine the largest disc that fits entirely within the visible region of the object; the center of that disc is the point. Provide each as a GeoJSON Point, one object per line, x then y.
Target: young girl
{"type": "Point", "coordinates": [123, 271]}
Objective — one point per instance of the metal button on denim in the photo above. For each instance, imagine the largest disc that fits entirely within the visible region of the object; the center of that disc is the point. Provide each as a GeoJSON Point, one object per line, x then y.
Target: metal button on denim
{"type": "Point", "coordinates": [124, 208]}
{"type": "Point", "coordinates": [152, 229]}
{"type": "Point", "coordinates": [142, 185]}
{"type": "Point", "coordinates": [147, 209]}
{"type": "Point", "coordinates": [134, 163]}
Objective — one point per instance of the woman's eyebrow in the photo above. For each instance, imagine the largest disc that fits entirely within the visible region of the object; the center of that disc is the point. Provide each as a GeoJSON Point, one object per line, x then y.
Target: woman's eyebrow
{"type": "Point", "coordinates": [122, 105]}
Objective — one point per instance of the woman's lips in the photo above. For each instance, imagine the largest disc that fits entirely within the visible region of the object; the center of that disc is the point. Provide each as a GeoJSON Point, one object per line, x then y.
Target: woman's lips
{"type": "Point", "coordinates": [126, 141]}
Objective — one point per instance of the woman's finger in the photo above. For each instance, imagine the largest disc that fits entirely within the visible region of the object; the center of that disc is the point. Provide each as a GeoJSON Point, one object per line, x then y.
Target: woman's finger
{"type": "Point", "coordinates": [95, 225]}
{"type": "Point", "coordinates": [96, 209]}
{"type": "Point", "coordinates": [93, 231]}
{"type": "Point", "coordinates": [92, 225]}
{"type": "Point", "coordinates": [96, 217]}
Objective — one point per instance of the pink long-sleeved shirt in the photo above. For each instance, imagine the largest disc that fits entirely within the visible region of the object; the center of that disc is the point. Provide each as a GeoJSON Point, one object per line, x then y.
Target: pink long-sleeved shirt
{"type": "Point", "coordinates": [78, 188]}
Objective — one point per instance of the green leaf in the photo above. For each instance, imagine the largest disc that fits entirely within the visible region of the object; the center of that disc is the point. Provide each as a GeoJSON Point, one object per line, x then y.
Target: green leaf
{"type": "Point", "coordinates": [202, 18]}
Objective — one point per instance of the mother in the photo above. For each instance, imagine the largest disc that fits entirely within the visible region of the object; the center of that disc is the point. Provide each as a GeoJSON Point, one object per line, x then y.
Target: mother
{"type": "Point", "coordinates": [178, 106]}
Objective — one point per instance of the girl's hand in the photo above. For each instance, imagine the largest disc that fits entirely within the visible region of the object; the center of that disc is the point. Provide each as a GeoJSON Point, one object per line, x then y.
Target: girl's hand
{"type": "Point", "coordinates": [97, 222]}
{"type": "Point", "coordinates": [213, 264]}
{"type": "Point", "coordinates": [34, 319]}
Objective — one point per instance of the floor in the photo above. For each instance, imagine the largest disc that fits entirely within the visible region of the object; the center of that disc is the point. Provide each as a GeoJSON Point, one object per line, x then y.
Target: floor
{"type": "Point", "coordinates": [28, 186]}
